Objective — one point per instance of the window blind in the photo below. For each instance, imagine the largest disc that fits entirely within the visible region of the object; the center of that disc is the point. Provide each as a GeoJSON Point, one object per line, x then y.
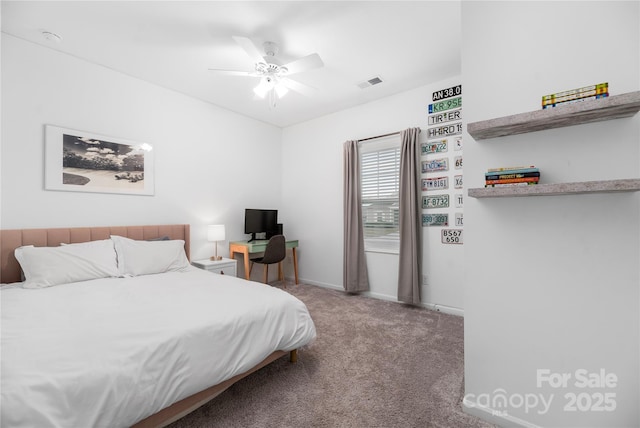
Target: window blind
{"type": "Point", "coordinates": [380, 187]}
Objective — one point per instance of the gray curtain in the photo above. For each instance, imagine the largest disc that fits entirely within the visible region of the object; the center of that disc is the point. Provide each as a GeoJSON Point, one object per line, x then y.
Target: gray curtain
{"type": "Point", "coordinates": [410, 257]}
{"type": "Point", "coordinates": [354, 276]}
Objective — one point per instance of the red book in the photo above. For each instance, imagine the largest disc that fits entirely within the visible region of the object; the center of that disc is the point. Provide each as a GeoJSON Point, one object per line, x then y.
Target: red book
{"type": "Point", "coordinates": [514, 180]}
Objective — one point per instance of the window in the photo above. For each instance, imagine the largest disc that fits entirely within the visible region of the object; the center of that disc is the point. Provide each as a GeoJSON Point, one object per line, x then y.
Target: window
{"type": "Point", "coordinates": [380, 187]}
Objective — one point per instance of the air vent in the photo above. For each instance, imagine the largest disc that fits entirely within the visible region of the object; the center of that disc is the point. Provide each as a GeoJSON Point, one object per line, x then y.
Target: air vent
{"type": "Point", "coordinates": [370, 82]}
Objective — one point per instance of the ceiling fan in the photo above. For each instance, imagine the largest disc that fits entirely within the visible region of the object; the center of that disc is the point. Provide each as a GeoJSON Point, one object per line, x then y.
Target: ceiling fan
{"type": "Point", "coordinates": [274, 78]}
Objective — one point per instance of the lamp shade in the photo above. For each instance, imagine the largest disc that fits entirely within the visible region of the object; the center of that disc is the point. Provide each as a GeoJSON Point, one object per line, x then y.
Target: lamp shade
{"type": "Point", "coordinates": [265, 85]}
{"type": "Point", "coordinates": [215, 232]}
{"type": "Point", "coordinates": [281, 90]}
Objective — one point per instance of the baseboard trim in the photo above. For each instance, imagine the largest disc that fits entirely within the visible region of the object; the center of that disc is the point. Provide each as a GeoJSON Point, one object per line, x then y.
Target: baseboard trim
{"type": "Point", "coordinates": [446, 309]}
{"type": "Point", "coordinates": [321, 284]}
{"type": "Point", "coordinates": [433, 306]}
{"type": "Point", "coordinates": [494, 416]}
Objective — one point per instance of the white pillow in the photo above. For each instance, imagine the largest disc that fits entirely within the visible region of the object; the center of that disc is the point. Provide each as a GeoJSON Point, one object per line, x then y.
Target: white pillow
{"type": "Point", "coordinates": [147, 257]}
{"type": "Point", "coordinates": [47, 266]}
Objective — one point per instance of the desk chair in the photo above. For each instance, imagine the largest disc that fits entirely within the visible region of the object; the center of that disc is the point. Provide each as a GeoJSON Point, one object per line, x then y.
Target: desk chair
{"type": "Point", "coordinates": [275, 252]}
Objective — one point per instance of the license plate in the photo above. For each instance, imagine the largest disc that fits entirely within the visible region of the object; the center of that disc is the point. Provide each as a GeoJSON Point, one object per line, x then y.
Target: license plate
{"type": "Point", "coordinates": [458, 182]}
{"type": "Point", "coordinates": [435, 165]}
{"type": "Point", "coordinates": [459, 219]}
{"type": "Point", "coordinates": [446, 93]}
{"type": "Point", "coordinates": [445, 105]}
{"type": "Point", "coordinates": [457, 161]}
{"type": "Point", "coordinates": [435, 201]}
{"type": "Point", "coordinates": [439, 146]}
{"type": "Point", "coordinates": [459, 200]}
{"type": "Point", "coordinates": [445, 130]}
{"type": "Point", "coordinates": [451, 236]}
{"type": "Point", "coordinates": [457, 144]}
{"type": "Point", "coordinates": [447, 116]}
{"type": "Point", "coordinates": [435, 183]}
{"type": "Point", "coordinates": [435, 220]}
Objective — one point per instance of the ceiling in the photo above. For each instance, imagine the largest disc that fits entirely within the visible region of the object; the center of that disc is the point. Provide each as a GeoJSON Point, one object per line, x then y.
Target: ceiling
{"type": "Point", "coordinates": [173, 44]}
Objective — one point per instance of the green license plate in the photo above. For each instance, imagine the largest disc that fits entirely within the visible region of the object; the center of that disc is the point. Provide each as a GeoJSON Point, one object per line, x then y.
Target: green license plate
{"type": "Point", "coordinates": [435, 220]}
{"type": "Point", "coordinates": [445, 105]}
{"type": "Point", "coordinates": [435, 201]}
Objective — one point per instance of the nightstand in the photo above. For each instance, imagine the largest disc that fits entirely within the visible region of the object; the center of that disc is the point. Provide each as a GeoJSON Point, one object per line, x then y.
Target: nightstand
{"type": "Point", "coordinates": [223, 267]}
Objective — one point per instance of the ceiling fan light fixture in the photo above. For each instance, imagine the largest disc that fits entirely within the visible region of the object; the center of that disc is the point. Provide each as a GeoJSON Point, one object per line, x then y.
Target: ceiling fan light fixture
{"type": "Point", "coordinates": [260, 91]}
{"type": "Point", "coordinates": [265, 85]}
{"type": "Point", "coordinates": [274, 77]}
{"type": "Point", "coordinates": [281, 90]}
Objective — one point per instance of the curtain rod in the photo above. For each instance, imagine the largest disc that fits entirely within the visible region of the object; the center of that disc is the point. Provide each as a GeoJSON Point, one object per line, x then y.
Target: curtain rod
{"type": "Point", "coordinates": [378, 136]}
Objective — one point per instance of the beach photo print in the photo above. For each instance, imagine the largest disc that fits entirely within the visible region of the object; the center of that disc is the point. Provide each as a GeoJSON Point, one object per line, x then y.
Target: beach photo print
{"type": "Point", "coordinates": [80, 161]}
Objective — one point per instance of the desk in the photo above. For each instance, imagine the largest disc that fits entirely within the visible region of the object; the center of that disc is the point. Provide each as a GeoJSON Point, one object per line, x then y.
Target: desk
{"type": "Point", "coordinates": [258, 246]}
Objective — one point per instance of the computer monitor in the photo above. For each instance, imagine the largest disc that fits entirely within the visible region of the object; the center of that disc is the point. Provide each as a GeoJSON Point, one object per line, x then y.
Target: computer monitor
{"type": "Point", "coordinates": [260, 221]}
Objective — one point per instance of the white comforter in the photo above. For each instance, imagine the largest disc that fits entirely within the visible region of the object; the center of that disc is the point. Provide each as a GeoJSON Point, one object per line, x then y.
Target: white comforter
{"type": "Point", "coordinates": [109, 352]}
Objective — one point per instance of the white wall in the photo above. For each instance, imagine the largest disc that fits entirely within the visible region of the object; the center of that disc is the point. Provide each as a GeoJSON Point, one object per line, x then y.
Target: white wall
{"type": "Point", "coordinates": [1, 38]}
{"type": "Point", "coordinates": [551, 282]}
{"type": "Point", "coordinates": [312, 198]}
{"type": "Point", "coordinates": [210, 163]}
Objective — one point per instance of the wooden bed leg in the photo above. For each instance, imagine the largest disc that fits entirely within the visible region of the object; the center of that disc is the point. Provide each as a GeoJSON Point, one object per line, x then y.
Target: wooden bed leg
{"type": "Point", "coordinates": [293, 356]}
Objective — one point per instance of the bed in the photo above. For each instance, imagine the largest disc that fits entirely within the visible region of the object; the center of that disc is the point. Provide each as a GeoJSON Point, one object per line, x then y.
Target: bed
{"type": "Point", "coordinates": [139, 346]}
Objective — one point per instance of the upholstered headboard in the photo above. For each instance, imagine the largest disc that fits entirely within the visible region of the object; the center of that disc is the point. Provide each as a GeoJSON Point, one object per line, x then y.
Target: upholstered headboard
{"type": "Point", "coordinates": [11, 239]}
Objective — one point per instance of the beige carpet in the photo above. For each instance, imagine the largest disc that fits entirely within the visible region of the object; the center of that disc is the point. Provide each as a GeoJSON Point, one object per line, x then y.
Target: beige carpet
{"type": "Point", "coordinates": [373, 364]}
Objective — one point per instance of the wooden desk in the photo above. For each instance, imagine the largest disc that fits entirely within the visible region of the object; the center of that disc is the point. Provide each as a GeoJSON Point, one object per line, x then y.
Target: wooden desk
{"type": "Point", "coordinates": [258, 246]}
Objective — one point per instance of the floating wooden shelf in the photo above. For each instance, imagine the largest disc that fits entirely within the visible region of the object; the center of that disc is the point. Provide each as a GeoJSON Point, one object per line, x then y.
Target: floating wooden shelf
{"type": "Point", "coordinates": [612, 107]}
{"type": "Point", "coordinates": [603, 186]}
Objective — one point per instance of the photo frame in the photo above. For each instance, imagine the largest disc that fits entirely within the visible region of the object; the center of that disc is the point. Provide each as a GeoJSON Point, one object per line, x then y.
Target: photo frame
{"type": "Point", "coordinates": [80, 161]}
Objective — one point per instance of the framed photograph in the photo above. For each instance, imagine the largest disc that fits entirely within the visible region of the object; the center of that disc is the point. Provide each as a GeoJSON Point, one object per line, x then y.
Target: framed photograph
{"type": "Point", "coordinates": [79, 161]}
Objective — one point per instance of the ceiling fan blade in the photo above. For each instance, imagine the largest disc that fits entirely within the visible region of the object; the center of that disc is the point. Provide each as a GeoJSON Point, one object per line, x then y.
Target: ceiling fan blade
{"type": "Point", "coordinates": [250, 48]}
{"type": "Point", "coordinates": [306, 63]}
{"type": "Point", "coordinates": [294, 85]}
{"type": "Point", "coordinates": [232, 72]}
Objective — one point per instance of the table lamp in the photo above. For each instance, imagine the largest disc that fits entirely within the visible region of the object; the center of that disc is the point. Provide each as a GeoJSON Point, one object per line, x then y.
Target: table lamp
{"type": "Point", "coordinates": [215, 233]}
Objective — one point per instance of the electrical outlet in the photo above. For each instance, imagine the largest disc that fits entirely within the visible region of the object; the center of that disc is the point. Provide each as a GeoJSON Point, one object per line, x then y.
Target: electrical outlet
{"type": "Point", "coordinates": [425, 279]}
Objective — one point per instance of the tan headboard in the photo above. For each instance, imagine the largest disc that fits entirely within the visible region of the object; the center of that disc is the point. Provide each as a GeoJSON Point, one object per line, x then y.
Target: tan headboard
{"type": "Point", "coordinates": [11, 239]}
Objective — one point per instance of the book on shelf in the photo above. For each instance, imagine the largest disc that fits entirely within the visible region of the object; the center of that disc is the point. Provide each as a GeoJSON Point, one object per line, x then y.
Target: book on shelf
{"type": "Point", "coordinates": [600, 86]}
{"type": "Point", "coordinates": [512, 170]}
{"type": "Point", "coordinates": [585, 91]}
{"type": "Point", "coordinates": [577, 100]}
{"type": "Point", "coordinates": [573, 97]}
{"type": "Point", "coordinates": [510, 175]}
{"type": "Point", "coordinates": [533, 180]}
{"type": "Point", "coordinates": [509, 168]}
{"type": "Point", "coordinates": [510, 184]}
